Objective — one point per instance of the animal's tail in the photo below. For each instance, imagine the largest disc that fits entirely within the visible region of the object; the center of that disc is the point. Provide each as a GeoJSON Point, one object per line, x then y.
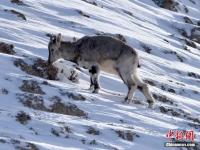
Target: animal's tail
{"type": "Point", "coordinates": [139, 64]}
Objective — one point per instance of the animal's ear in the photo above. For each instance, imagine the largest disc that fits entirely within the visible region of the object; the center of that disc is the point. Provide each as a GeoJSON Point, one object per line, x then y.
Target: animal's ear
{"type": "Point", "coordinates": [49, 35]}
{"type": "Point", "coordinates": [58, 39]}
{"type": "Point", "coordinates": [52, 37]}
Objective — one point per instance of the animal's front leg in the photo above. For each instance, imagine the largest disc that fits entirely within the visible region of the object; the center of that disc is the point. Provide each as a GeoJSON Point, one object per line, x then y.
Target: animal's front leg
{"type": "Point", "coordinates": [94, 78]}
{"type": "Point", "coordinates": [91, 83]}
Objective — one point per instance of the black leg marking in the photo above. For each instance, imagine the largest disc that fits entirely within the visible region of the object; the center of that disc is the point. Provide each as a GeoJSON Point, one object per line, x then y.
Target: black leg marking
{"type": "Point", "coordinates": [140, 88]}
{"type": "Point", "coordinates": [94, 75]}
{"type": "Point", "coordinates": [93, 70]}
{"type": "Point", "coordinates": [91, 81]}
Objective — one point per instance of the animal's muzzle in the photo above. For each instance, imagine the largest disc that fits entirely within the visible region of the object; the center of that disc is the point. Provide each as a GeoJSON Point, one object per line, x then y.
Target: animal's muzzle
{"type": "Point", "coordinates": [49, 62]}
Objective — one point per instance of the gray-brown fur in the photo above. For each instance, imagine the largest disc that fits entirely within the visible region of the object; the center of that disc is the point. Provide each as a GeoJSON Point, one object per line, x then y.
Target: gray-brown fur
{"type": "Point", "coordinates": [102, 53]}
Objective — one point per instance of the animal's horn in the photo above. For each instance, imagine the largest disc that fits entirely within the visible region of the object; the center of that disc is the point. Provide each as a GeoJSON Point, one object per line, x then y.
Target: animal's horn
{"type": "Point", "coordinates": [49, 35]}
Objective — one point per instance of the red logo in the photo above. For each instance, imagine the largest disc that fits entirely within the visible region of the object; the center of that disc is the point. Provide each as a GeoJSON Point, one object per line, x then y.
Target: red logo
{"type": "Point", "coordinates": [181, 135]}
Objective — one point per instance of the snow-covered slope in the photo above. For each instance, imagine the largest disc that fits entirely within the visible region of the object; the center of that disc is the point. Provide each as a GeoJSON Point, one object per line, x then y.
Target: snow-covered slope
{"type": "Point", "coordinates": [169, 62]}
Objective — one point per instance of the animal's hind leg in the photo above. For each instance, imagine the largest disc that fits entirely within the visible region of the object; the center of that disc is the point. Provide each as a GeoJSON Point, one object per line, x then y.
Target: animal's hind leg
{"type": "Point", "coordinates": [94, 78]}
{"type": "Point", "coordinates": [143, 87]}
{"type": "Point", "coordinates": [131, 84]}
{"type": "Point", "coordinates": [131, 93]}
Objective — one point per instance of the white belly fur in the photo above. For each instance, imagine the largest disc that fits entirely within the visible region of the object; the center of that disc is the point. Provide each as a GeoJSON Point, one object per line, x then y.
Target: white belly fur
{"type": "Point", "coordinates": [109, 66]}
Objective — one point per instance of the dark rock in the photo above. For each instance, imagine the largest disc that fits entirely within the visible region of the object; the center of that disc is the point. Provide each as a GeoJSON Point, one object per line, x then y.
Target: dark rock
{"type": "Point", "coordinates": [17, 13]}
{"type": "Point", "coordinates": [187, 20]}
{"type": "Point", "coordinates": [126, 135]}
{"type": "Point", "coordinates": [93, 131]}
{"type": "Point", "coordinates": [7, 48]}
{"type": "Point", "coordinates": [39, 68]}
{"type": "Point", "coordinates": [194, 75]}
{"type": "Point", "coordinates": [31, 86]}
{"type": "Point", "coordinates": [195, 34]}
{"type": "Point", "coordinates": [167, 4]}
{"type": "Point", "coordinates": [22, 117]}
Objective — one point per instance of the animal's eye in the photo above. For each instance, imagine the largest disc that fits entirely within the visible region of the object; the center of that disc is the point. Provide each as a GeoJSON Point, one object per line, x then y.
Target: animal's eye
{"type": "Point", "coordinates": [54, 41]}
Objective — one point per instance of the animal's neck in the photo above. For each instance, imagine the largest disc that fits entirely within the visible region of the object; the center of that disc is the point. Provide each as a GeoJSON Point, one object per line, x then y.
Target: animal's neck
{"type": "Point", "coordinates": [68, 51]}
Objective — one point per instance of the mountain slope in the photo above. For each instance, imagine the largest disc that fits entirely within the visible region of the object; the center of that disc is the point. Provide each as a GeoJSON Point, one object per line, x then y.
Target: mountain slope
{"type": "Point", "coordinates": [38, 113]}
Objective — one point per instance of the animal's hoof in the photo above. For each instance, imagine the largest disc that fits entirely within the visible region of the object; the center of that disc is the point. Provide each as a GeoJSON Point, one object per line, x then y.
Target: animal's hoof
{"type": "Point", "coordinates": [91, 88]}
{"type": "Point", "coordinates": [126, 101]}
{"type": "Point", "coordinates": [151, 104]}
{"type": "Point", "coordinates": [96, 91]}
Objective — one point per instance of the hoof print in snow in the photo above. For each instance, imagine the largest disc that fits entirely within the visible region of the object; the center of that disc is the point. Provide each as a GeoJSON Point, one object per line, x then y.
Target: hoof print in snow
{"type": "Point", "coordinates": [33, 130]}
{"type": "Point", "coordinates": [31, 86]}
{"type": "Point", "coordinates": [17, 13]}
{"type": "Point", "coordinates": [55, 132]}
{"type": "Point", "coordinates": [93, 131]}
{"type": "Point", "coordinates": [83, 141]}
{"type": "Point", "coordinates": [23, 117]}
{"type": "Point", "coordinates": [7, 48]}
{"type": "Point", "coordinates": [146, 48]}
{"type": "Point", "coordinates": [126, 135]}
{"type": "Point", "coordinates": [93, 142]}
{"type": "Point", "coordinates": [3, 91]}
{"type": "Point", "coordinates": [128, 12]}
{"type": "Point", "coordinates": [39, 68]}
{"type": "Point", "coordinates": [171, 90]}
{"type": "Point", "coordinates": [83, 14]}
{"type": "Point", "coordinates": [89, 2]}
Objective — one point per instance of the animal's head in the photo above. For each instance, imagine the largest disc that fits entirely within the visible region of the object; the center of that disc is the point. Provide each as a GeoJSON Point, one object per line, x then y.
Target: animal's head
{"type": "Point", "coordinates": [54, 47]}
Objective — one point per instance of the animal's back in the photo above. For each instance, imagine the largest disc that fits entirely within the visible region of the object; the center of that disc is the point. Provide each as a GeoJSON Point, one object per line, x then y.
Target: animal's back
{"type": "Point", "coordinates": [102, 47]}
{"type": "Point", "coordinates": [107, 51]}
